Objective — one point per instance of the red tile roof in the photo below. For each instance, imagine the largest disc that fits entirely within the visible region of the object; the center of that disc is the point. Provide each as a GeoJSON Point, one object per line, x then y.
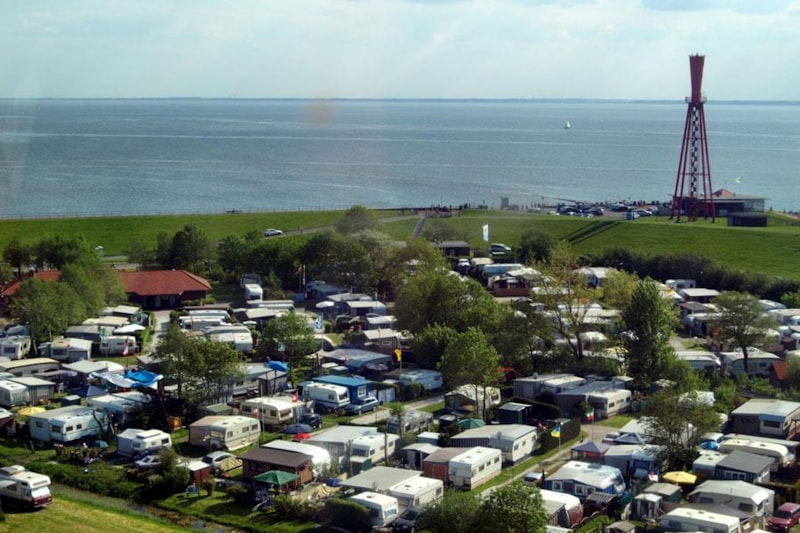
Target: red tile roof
{"type": "Point", "coordinates": [162, 282]}
{"type": "Point", "coordinates": [47, 275]}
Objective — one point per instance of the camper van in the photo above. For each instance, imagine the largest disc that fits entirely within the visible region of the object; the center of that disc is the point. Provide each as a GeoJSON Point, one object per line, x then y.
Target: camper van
{"type": "Point", "coordinates": [118, 345]}
{"type": "Point", "coordinates": [418, 492]}
{"type": "Point", "coordinates": [253, 291]}
{"type": "Point", "coordinates": [270, 411]}
{"type": "Point", "coordinates": [66, 424]}
{"type": "Point", "coordinates": [377, 447]}
{"type": "Point", "coordinates": [383, 509]}
{"type": "Point", "coordinates": [326, 396]}
{"type": "Point", "coordinates": [135, 443]}
{"type": "Point", "coordinates": [474, 467]}
{"type": "Point", "coordinates": [224, 432]}
{"type": "Point", "coordinates": [123, 407]}
{"type": "Point", "coordinates": [23, 488]}
{"type": "Point", "coordinates": [779, 454]}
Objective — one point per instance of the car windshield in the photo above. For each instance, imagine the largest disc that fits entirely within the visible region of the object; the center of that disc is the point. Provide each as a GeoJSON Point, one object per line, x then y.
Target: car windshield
{"type": "Point", "coordinates": [410, 514]}
{"type": "Point", "coordinates": [782, 514]}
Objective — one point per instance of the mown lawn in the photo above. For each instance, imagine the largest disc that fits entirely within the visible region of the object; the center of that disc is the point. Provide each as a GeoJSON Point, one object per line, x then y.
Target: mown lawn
{"type": "Point", "coordinates": [67, 515]}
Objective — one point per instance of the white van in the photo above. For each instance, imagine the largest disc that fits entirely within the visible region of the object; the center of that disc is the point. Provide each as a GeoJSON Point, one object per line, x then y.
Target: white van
{"type": "Point", "coordinates": [138, 442]}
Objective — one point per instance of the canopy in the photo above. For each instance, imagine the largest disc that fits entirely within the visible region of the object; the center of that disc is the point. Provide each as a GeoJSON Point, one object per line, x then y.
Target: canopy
{"type": "Point", "coordinates": [129, 328]}
{"type": "Point", "coordinates": [591, 448]}
{"type": "Point", "coordinates": [88, 391]}
{"type": "Point", "coordinates": [471, 423]}
{"type": "Point", "coordinates": [32, 410]}
{"type": "Point", "coordinates": [276, 477]}
{"type": "Point", "coordinates": [680, 478]}
{"type": "Point", "coordinates": [103, 445]}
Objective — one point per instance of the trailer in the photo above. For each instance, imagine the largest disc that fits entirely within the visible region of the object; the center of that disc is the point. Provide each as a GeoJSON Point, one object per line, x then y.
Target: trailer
{"type": "Point", "coordinates": [269, 410]}
{"type": "Point", "coordinates": [29, 367]}
{"type": "Point", "coordinates": [122, 407]}
{"type": "Point", "coordinates": [418, 492]}
{"type": "Point", "coordinates": [428, 379]}
{"type": "Point", "coordinates": [135, 443]}
{"type": "Point", "coordinates": [224, 432]}
{"type": "Point", "coordinates": [383, 509]}
{"type": "Point", "coordinates": [118, 345]}
{"type": "Point", "coordinates": [326, 397]}
{"type": "Point", "coordinates": [15, 347]}
{"type": "Point", "coordinates": [13, 394]}
{"type": "Point", "coordinates": [23, 488]}
{"type": "Point", "coordinates": [253, 291]}
{"type": "Point", "coordinates": [66, 424]}
{"type": "Point", "coordinates": [67, 349]}
{"type": "Point", "coordinates": [374, 447]}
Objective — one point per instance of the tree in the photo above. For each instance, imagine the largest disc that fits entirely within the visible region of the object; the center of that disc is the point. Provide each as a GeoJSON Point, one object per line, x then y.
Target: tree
{"type": "Point", "coordinates": [457, 512]}
{"type": "Point", "coordinates": [512, 508]}
{"type": "Point", "coordinates": [203, 370]}
{"type": "Point", "coordinates": [356, 219]}
{"type": "Point", "coordinates": [438, 230]}
{"type": "Point", "coordinates": [339, 260]}
{"type": "Point", "coordinates": [17, 254]}
{"type": "Point", "coordinates": [535, 246]}
{"type": "Point", "coordinates": [648, 320]}
{"type": "Point", "coordinates": [742, 321]}
{"type": "Point", "coordinates": [47, 308]}
{"type": "Point", "coordinates": [431, 343]}
{"type": "Point", "coordinates": [97, 284]}
{"type": "Point", "coordinates": [566, 296]}
{"type": "Point", "coordinates": [56, 251]}
{"type": "Point", "coordinates": [190, 249]}
{"type": "Point", "coordinates": [288, 336]}
{"type": "Point", "coordinates": [470, 360]}
{"type": "Point", "coordinates": [7, 273]}
{"type": "Point", "coordinates": [618, 289]}
{"type": "Point", "coordinates": [523, 336]}
{"type": "Point", "coordinates": [677, 418]}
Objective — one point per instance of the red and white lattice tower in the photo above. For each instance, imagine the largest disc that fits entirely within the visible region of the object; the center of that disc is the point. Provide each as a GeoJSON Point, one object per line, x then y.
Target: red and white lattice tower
{"type": "Point", "coordinates": [694, 166]}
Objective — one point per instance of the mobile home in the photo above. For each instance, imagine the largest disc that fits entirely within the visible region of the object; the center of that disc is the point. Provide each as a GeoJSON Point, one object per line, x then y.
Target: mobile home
{"type": "Point", "coordinates": [13, 394]}
{"type": "Point", "coordinates": [253, 291]}
{"type": "Point", "coordinates": [383, 509]}
{"type": "Point", "coordinates": [474, 467]}
{"type": "Point", "coordinates": [224, 432]}
{"type": "Point", "coordinates": [138, 442]}
{"type": "Point", "coordinates": [687, 519]}
{"type": "Point", "coordinates": [357, 388]}
{"type": "Point", "coordinates": [66, 424]}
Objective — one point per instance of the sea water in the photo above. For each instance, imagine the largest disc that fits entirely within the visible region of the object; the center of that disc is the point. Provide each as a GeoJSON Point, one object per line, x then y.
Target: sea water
{"type": "Point", "coordinates": [150, 156]}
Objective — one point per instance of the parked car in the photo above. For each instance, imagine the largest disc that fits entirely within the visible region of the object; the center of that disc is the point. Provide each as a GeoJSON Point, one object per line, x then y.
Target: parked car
{"type": "Point", "coordinates": [364, 405]}
{"type": "Point", "coordinates": [407, 521]}
{"type": "Point", "coordinates": [311, 419]}
{"type": "Point", "coordinates": [785, 517]}
{"type": "Point", "coordinates": [218, 460]}
{"type": "Point", "coordinates": [272, 232]}
{"type": "Point", "coordinates": [499, 249]}
{"type": "Point", "coordinates": [150, 462]}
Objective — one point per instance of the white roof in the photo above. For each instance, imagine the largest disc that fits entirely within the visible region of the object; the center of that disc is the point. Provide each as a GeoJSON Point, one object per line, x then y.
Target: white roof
{"type": "Point", "coordinates": [758, 406]}
{"type": "Point", "coordinates": [416, 485]}
{"type": "Point", "coordinates": [318, 455]}
{"type": "Point", "coordinates": [342, 434]}
{"type": "Point", "coordinates": [738, 488]}
{"type": "Point", "coordinates": [475, 455]}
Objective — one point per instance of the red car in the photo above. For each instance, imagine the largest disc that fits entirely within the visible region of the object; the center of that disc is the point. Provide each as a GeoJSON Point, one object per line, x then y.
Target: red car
{"type": "Point", "coordinates": [785, 517]}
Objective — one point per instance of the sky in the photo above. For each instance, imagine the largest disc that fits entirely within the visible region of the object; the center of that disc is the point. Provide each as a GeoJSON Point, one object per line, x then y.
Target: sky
{"type": "Point", "coordinates": [610, 49]}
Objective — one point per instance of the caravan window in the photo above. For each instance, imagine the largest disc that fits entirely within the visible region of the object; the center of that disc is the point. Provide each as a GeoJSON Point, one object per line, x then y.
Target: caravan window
{"type": "Point", "coordinates": [39, 424]}
{"type": "Point", "coordinates": [771, 424]}
{"type": "Point", "coordinates": [69, 428]}
{"type": "Point", "coordinates": [579, 490]}
{"type": "Point", "coordinates": [79, 426]}
{"type": "Point", "coordinates": [254, 427]}
{"type": "Point", "coordinates": [56, 429]}
{"type": "Point", "coordinates": [230, 434]}
{"type": "Point", "coordinates": [557, 486]}
{"type": "Point", "coordinates": [746, 507]}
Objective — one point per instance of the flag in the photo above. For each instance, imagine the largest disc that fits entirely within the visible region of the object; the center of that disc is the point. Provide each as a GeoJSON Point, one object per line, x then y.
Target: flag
{"type": "Point", "coordinates": [318, 323]}
{"type": "Point", "coordinates": [589, 415]}
{"type": "Point", "coordinates": [653, 474]}
{"type": "Point", "coordinates": [294, 396]}
{"type": "Point", "coordinates": [398, 353]}
{"type": "Point", "coordinates": [737, 180]}
{"type": "Point", "coordinates": [556, 432]}
{"type": "Point", "coordinates": [486, 232]}
{"type": "Point", "coordinates": [125, 350]}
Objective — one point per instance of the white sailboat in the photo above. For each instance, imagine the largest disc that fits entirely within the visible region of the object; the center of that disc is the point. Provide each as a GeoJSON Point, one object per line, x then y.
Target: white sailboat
{"type": "Point", "coordinates": [567, 125]}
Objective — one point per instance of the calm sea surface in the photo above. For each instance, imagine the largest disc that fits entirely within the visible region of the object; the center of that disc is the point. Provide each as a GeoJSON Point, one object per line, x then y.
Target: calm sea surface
{"type": "Point", "coordinates": [102, 157]}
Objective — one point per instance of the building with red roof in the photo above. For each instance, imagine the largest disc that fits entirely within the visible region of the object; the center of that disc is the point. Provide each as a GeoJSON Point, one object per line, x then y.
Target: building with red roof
{"type": "Point", "coordinates": [163, 289]}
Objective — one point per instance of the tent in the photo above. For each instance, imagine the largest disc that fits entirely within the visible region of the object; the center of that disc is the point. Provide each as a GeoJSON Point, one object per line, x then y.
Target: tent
{"type": "Point", "coordinates": [277, 365]}
{"type": "Point", "coordinates": [276, 477]}
{"type": "Point", "coordinates": [295, 429]}
{"type": "Point", "coordinates": [591, 449]}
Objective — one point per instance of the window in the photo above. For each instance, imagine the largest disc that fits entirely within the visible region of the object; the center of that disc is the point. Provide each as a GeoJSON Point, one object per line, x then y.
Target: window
{"type": "Point", "coordinates": [481, 468]}
{"type": "Point", "coordinates": [69, 428]}
{"type": "Point", "coordinates": [556, 486]}
{"type": "Point", "coordinates": [771, 424]}
{"type": "Point", "coordinates": [230, 434]}
{"type": "Point", "coordinates": [39, 424]}
{"type": "Point", "coordinates": [579, 490]}
{"type": "Point", "coordinates": [747, 507]}
{"type": "Point", "coordinates": [78, 426]}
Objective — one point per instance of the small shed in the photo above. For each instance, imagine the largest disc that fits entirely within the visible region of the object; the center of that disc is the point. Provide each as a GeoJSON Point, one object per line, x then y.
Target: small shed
{"type": "Point", "coordinates": [40, 391]}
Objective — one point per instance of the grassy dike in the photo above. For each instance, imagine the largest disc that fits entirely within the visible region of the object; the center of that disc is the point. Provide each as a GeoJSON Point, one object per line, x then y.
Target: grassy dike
{"type": "Point", "coordinates": [774, 250]}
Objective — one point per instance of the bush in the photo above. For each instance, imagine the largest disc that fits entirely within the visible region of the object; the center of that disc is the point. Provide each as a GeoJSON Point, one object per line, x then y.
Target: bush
{"type": "Point", "coordinates": [165, 484]}
{"type": "Point", "coordinates": [292, 508]}
{"type": "Point", "coordinates": [98, 478]}
{"type": "Point", "coordinates": [346, 515]}
{"type": "Point", "coordinates": [239, 493]}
